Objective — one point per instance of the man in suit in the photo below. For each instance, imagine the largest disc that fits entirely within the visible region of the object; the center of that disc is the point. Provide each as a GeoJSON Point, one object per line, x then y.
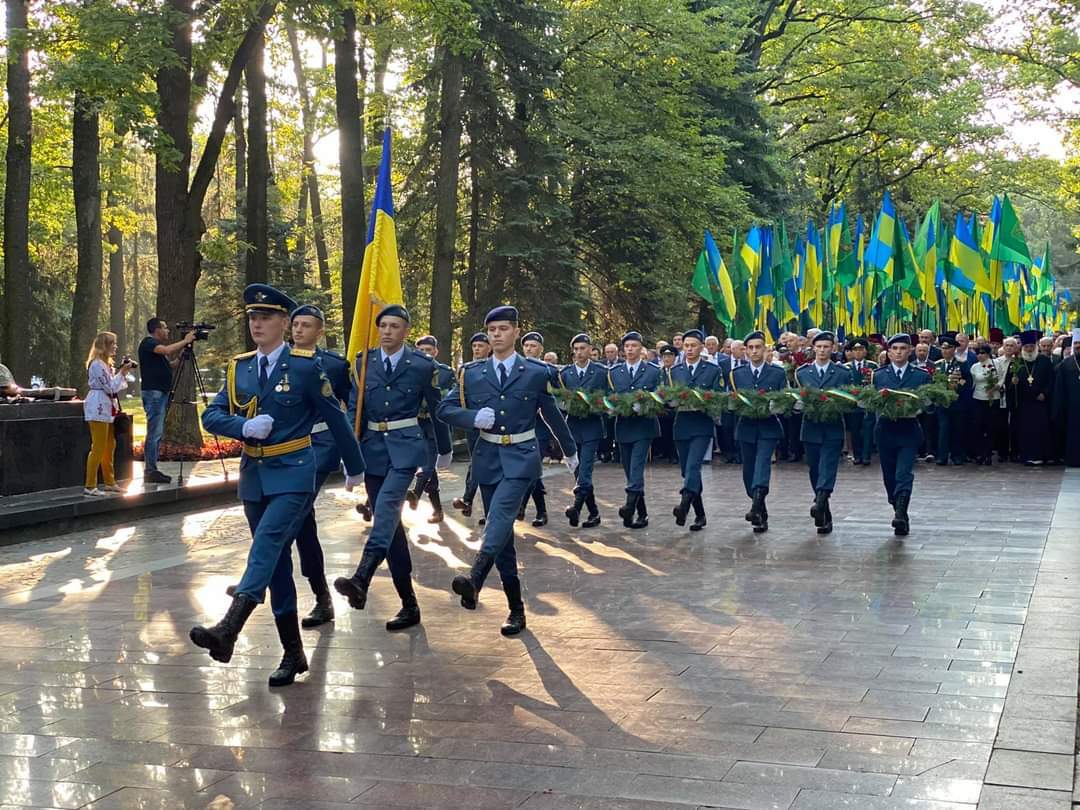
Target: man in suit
{"type": "Point", "coordinates": [822, 440]}
{"type": "Point", "coordinates": [427, 479]}
{"type": "Point", "coordinates": [392, 383]}
{"type": "Point", "coordinates": [758, 438]}
{"type": "Point", "coordinates": [954, 422]}
{"type": "Point", "coordinates": [481, 350]}
{"type": "Point", "coordinates": [926, 337]}
{"type": "Point", "coordinates": [898, 440]}
{"type": "Point", "coordinates": [693, 430]}
{"type": "Point", "coordinates": [271, 400]}
{"type": "Point", "coordinates": [502, 398]}
{"type": "Point", "coordinates": [634, 434]}
{"type": "Point", "coordinates": [584, 375]}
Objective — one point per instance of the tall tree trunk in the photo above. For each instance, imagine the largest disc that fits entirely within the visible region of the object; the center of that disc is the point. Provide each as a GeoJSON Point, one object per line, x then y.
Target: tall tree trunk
{"type": "Point", "coordinates": [310, 183]}
{"type": "Point", "coordinates": [446, 196]}
{"type": "Point", "coordinates": [301, 227]}
{"type": "Point", "coordinates": [86, 186]}
{"type": "Point", "coordinates": [117, 287]}
{"type": "Point", "coordinates": [349, 110]}
{"type": "Point", "coordinates": [18, 302]}
{"type": "Point", "coordinates": [258, 169]}
{"type": "Point", "coordinates": [379, 102]}
{"type": "Point", "coordinates": [240, 177]}
{"type": "Point", "coordinates": [137, 322]}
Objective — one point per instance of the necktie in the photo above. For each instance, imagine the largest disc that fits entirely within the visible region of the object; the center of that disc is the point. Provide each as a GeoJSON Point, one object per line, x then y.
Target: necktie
{"type": "Point", "coordinates": [502, 375]}
{"type": "Point", "coordinates": [900, 374]}
{"type": "Point", "coordinates": [692, 370]}
{"type": "Point", "coordinates": [581, 374]}
{"type": "Point", "coordinates": [821, 373]}
{"type": "Point", "coordinates": [264, 364]}
{"type": "Point", "coordinates": [389, 368]}
{"type": "Point", "coordinates": [757, 374]}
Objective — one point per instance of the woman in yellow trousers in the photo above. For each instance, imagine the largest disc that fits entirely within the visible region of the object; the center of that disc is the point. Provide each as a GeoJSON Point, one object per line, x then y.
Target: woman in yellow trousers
{"type": "Point", "coordinates": [100, 409]}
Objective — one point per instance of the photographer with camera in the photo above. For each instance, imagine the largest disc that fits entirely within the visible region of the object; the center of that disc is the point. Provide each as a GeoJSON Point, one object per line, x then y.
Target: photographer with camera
{"type": "Point", "coordinates": [158, 359]}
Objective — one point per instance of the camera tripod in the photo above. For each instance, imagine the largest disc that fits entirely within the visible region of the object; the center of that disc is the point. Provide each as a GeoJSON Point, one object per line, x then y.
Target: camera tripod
{"type": "Point", "coordinates": [189, 366]}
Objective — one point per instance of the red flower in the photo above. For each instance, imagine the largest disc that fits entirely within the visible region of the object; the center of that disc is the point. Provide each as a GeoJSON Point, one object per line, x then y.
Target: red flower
{"type": "Point", "coordinates": [885, 392]}
{"type": "Point", "coordinates": [823, 398]}
{"type": "Point", "coordinates": [684, 394]}
{"type": "Point", "coordinates": [762, 391]}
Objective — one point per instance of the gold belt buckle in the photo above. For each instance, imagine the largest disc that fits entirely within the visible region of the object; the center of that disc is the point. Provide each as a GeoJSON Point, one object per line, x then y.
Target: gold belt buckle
{"type": "Point", "coordinates": [505, 440]}
{"type": "Point", "coordinates": [258, 448]}
{"type": "Point", "coordinates": [383, 427]}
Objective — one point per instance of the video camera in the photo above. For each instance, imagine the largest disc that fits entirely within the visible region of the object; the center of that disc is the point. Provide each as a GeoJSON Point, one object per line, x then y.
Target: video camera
{"type": "Point", "coordinates": [201, 330]}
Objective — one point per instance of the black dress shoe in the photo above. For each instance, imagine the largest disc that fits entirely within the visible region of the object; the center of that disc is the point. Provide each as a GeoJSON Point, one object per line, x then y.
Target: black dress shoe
{"type": "Point", "coordinates": [293, 662]}
{"type": "Point", "coordinates": [463, 506]}
{"type": "Point", "coordinates": [541, 520]}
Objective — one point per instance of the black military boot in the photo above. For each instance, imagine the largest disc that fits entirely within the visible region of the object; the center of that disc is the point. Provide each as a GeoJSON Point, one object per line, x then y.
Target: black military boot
{"type": "Point", "coordinates": [521, 511]}
{"type": "Point", "coordinates": [364, 509]}
{"type": "Point", "coordinates": [323, 611]}
{"type": "Point", "coordinates": [699, 515]}
{"type": "Point", "coordinates": [594, 512]}
{"type": "Point", "coordinates": [463, 506]}
{"type": "Point", "coordinates": [541, 509]}
{"type": "Point", "coordinates": [515, 622]}
{"type": "Point", "coordinates": [220, 638]}
{"type": "Point", "coordinates": [823, 515]}
{"type": "Point", "coordinates": [642, 513]}
{"type": "Point", "coordinates": [573, 513]}
{"type": "Point", "coordinates": [468, 587]}
{"type": "Point", "coordinates": [761, 524]}
{"type": "Point", "coordinates": [355, 588]}
{"type": "Point", "coordinates": [683, 509]}
{"type": "Point", "coordinates": [900, 523]}
{"type": "Point", "coordinates": [293, 662]}
{"type": "Point", "coordinates": [409, 615]}
{"type": "Point", "coordinates": [754, 515]}
{"type": "Point", "coordinates": [437, 515]}
{"type": "Point", "coordinates": [413, 495]}
{"type": "Point", "coordinates": [626, 511]}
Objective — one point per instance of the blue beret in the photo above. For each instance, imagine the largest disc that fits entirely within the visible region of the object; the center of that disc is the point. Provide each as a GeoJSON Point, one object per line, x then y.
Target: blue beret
{"type": "Point", "coordinates": [394, 311]}
{"type": "Point", "coordinates": [264, 298]}
{"type": "Point", "coordinates": [694, 333]}
{"type": "Point", "coordinates": [901, 337]}
{"type": "Point", "coordinates": [428, 340]}
{"type": "Point", "coordinates": [1030, 336]}
{"type": "Point", "coordinates": [755, 335]}
{"type": "Point", "coordinates": [533, 336]}
{"type": "Point", "coordinates": [479, 337]}
{"type": "Point", "coordinates": [829, 336]}
{"type": "Point", "coordinates": [308, 309]}
{"type": "Point", "coordinates": [632, 335]}
{"type": "Point", "coordinates": [506, 313]}
{"type": "Point", "coordinates": [580, 337]}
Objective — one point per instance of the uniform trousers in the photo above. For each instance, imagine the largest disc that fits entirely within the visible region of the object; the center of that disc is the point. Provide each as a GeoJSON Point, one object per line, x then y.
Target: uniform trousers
{"type": "Point", "coordinates": [387, 535]}
{"type": "Point", "coordinates": [274, 522]}
{"type": "Point", "coordinates": [823, 458]}
{"type": "Point", "coordinates": [896, 453]}
{"type": "Point", "coordinates": [634, 456]}
{"type": "Point", "coordinates": [691, 456]}
{"type": "Point", "coordinates": [757, 464]}
{"type": "Point", "coordinates": [501, 502]}
{"type": "Point", "coordinates": [308, 548]}
{"type": "Point", "coordinates": [586, 463]}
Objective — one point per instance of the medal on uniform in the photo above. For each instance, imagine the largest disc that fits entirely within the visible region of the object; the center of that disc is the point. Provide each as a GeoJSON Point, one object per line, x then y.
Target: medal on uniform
{"type": "Point", "coordinates": [284, 384]}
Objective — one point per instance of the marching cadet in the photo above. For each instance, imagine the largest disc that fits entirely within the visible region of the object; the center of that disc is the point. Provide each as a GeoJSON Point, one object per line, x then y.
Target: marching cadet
{"type": "Point", "coordinates": [584, 374]}
{"type": "Point", "coordinates": [427, 479]}
{"type": "Point", "coordinates": [634, 434]}
{"type": "Point", "coordinates": [501, 398]}
{"type": "Point", "coordinates": [481, 349]}
{"type": "Point", "coordinates": [758, 438]}
{"type": "Point", "coordinates": [822, 440]}
{"type": "Point", "coordinates": [954, 422]}
{"type": "Point", "coordinates": [532, 346]}
{"type": "Point", "coordinates": [898, 440]}
{"type": "Point", "coordinates": [391, 385]}
{"type": "Point", "coordinates": [271, 401]}
{"type": "Point", "coordinates": [663, 446]}
{"type": "Point", "coordinates": [860, 423]}
{"type": "Point", "coordinates": [693, 430]}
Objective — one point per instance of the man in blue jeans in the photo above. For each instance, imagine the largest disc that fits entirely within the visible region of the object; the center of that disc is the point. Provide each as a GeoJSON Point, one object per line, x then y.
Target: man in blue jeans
{"type": "Point", "coordinates": [156, 361]}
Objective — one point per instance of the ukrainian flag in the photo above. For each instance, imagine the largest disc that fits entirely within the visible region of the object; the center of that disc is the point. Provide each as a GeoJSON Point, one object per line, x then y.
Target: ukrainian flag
{"type": "Point", "coordinates": [380, 278]}
{"type": "Point", "coordinates": [965, 259]}
{"type": "Point", "coordinates": [880, 253]}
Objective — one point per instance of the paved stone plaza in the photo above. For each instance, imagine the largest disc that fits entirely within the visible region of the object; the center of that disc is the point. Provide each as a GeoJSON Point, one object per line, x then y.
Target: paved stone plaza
{"type": "Point", "coordinates": [661, 669]}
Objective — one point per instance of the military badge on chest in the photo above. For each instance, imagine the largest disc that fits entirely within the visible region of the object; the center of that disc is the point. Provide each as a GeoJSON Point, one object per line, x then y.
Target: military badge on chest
{"type": "Point", "coordinates": [283, 386]}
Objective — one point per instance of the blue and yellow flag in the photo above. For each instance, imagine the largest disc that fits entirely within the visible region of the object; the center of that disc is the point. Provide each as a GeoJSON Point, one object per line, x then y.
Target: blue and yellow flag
{"type": "Point", "coordinates": [965, 259]}
{"type": "Point", "coordinates": [380, 278]}
{"type": "Point", "coordinates": [881, 252]}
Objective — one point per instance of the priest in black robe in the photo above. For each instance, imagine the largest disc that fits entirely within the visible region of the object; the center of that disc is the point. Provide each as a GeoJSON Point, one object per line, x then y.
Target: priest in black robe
{"type": "Point", "coordinates": [1030, 382]}
{"type": "Point", "coordinates": [1066, 404]}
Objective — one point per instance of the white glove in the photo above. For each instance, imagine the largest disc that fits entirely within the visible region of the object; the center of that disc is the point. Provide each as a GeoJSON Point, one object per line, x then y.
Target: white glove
{"type": "Point", "coordinates": [799, 406]}
{"type": "Point", "coordinates": [636, 407]}
{"type": "Point", "coordinates": [485, 418]}
{"type": "Point", "coordinates": [258, 427]}
{"type": "Point", "coordinates": [443, 461]}
{"type": "Point", "coordinates": [352, 482]}
{"type": "Point", "coordinates": [571, 463]}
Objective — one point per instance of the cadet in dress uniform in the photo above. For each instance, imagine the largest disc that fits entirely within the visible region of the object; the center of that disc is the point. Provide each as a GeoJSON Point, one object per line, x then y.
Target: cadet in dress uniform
{"type": "Point", "coordinates": [271, 401]}
{"type": "Point", "coordinates": [898, 440]}
{"type": "Point", "coordinates": [663, 446]}
{"type": "Point", "coordinates": [758, 438]}
{"type": "Point", "coordinates": [587, 375]}
{"type": "Point", "coordinates": [501, 397]}
{"type": "Point", "coordinates": [693, 430]}
{"type": "Point", "coordinates": [822, 440]}
{"type": "Point", "coordinates": [395, 381]}
{"type": "Point", "coordinates": [481, 349]}
{"type": "Point", "coordinates": [532, 346]}
{"type": "Point", "coordinates": [427, 480]}
{"type": "Point", "coordinates": [954, 422]}
{"type": "Point", "coordinates": [634, 434]}
{"type": "Point", "coordinates": [860, 423]}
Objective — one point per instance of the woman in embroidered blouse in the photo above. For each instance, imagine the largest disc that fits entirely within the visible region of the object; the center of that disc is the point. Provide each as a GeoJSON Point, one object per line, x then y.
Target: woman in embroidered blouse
{"type": "Point", "coordinates": [99, 409]}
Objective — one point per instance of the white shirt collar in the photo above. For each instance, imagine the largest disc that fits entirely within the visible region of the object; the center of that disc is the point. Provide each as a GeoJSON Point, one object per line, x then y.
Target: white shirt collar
{"type": "Point", "coordinates": [583, 368]}
{"type": "Point", "coordinates": [900, 369]}
{"type": "Point", "coordinates": [756, 369]}
{"type": "Point", "coordinates": [823, 367]}
{"type": "Point", "coordinates": [508, 363]}
{"type": "Point", "coordinates": [633, 367]}
{"type": "Point", "coordinates": [271, 359]}
{"type": "Point", "coordinates": [394, 358]}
